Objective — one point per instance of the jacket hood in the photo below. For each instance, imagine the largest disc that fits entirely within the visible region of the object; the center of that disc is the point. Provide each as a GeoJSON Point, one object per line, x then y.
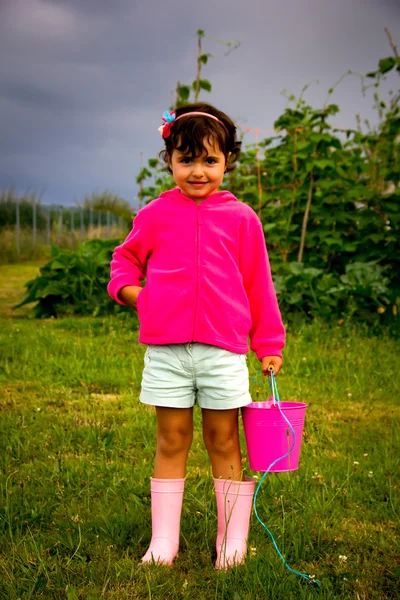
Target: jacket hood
{"type": "Point", "coordinates": [217, 198]}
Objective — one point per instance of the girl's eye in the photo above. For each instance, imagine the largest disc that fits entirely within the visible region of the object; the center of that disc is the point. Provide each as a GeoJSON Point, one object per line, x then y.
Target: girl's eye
{"type": "Point", "coordinates": [211, 161]}
{"type": "Point", "coordinates": [185, 161]}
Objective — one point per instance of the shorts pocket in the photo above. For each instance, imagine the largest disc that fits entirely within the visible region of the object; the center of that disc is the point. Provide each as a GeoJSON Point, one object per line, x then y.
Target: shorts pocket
{"type": "Point", "coordinates": [150, 350]}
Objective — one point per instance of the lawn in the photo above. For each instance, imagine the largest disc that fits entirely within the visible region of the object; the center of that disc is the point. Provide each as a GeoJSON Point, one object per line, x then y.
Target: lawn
{"type": "Point", "coordinates": [76, 453]}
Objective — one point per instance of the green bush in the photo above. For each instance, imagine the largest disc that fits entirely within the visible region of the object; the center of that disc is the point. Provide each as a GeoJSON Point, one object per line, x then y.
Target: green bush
{"type": "Point", "coordinates": [362, 294]}
{"type": "Point", "coordinates": [74, 282]}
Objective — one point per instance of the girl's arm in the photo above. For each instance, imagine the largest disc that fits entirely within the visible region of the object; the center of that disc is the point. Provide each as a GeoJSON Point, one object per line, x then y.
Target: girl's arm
{"type": "Point", "coordinates": [128, 265]}
{"type": "Point", "coordinates": [129, 295]}
{"type": "Point", "coordinates": [267, 334]}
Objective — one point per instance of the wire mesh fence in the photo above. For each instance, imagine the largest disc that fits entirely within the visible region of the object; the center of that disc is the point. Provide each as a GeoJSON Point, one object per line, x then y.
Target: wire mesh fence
{"type": "Point", "coordinates": [28, 229]}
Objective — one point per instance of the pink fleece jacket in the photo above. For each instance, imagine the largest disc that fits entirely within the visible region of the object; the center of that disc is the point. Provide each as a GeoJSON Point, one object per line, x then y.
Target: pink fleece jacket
{"type": "Point", "coordinates": [207, 274]}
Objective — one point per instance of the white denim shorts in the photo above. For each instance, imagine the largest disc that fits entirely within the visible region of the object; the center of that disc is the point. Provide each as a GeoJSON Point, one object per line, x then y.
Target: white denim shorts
{"type": "Point", "coordinates": [176, 374]}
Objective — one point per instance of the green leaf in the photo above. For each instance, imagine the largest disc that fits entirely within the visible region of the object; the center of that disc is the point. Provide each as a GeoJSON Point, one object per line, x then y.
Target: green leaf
{"type": "Point", "coordinates": [205, 85]}
{"type": "Point", "coordinates": [184, 92]}
{"type": "Point", "coordinates": [57, 264]}
{"type": "Point", "coordinates": [269, 226]}
{"type": "Point", "coordinates": [204, 58]}
{"type": "Point", "coordinates": [324, 164]}
{"type": "Point", "coordinates": [386, 64]}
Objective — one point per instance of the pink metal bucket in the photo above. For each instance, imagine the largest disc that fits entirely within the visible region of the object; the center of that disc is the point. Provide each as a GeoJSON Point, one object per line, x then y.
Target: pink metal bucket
{"type": "Point", "coordinates": [272, 444]}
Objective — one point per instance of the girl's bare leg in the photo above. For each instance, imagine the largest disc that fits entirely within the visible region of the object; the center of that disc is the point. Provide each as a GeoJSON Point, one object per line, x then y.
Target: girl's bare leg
{"type": "Point", "coordinates": [174, 438]}
{"type": "Point", "coordinates": [221, 438]}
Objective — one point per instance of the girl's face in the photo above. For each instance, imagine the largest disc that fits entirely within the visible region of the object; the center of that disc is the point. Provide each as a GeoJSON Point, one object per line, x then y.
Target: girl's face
{"type": "Point", "coordinates": [199, 177]}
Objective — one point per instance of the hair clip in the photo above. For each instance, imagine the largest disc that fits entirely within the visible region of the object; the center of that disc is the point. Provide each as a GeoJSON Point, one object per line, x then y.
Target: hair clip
{"type": "Point", "coordinates": [168, 118]}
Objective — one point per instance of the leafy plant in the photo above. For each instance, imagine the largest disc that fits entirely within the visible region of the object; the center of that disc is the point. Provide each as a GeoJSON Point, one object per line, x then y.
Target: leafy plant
{"type": "Point", "coordinates": [183, 92]}
{"type": "Point", "coordinates": [74, 282]}
{"type": "Point", "coordinates": [362, 293]}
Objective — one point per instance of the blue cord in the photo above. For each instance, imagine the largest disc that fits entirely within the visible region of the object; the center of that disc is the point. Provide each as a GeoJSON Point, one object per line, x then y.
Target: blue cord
{"type": "Point", "coordinates": [275, 394]}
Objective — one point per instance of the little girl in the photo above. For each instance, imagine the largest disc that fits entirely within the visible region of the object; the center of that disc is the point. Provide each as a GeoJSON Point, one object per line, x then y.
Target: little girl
{"type": "Point", "coordinates": [208, 289]}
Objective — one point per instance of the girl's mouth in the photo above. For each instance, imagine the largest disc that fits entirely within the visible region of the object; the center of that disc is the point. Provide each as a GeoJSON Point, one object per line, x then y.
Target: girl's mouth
{"type": "Point", "coordinates": [197, 183]}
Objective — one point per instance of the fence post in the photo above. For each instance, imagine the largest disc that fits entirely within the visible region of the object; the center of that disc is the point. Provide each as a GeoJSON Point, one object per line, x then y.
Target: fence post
{"type": "Point", "coordinates": [17, 228]}
{"type": "Point", "coordinates": [60, 225]}
{"type": "Point", "coordinates": [91, 218]}
{"type": "Point", "coordinates": [34, 226]}
{"type": "Point", "coordinates": [72, 228]}
{"type": "Point", "coordinates": [108, 225]}
{"type": "Point", "coordinates": [48, 225]}
{"type": "Point", "coordinates": [82, 227]}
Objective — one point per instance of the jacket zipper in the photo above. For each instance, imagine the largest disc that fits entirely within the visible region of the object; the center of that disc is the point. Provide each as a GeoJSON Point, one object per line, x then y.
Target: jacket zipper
{"type": "Point", "coordinates": [197, 234]}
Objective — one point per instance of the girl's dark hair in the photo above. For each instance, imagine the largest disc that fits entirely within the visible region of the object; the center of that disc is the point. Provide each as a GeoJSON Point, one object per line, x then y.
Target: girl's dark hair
{"type": "Point", "coordinates": [188, 134]}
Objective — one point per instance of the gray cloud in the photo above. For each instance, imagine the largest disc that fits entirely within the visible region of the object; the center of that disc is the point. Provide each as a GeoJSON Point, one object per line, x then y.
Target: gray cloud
{"type": "Point", "coordinates": [34, 95]}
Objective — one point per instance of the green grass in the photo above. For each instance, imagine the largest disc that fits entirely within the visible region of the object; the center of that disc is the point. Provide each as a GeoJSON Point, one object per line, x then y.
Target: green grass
{"type": "Point", "coordinates": [13, 278]}
{"type": "Point", "coordinates": [76, 454]}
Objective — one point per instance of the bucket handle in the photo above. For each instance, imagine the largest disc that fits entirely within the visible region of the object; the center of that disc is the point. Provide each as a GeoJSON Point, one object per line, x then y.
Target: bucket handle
{"type": "Point", "coordinates": [274, 387]}
{"type": "Point", "coordinates": [272, 384]}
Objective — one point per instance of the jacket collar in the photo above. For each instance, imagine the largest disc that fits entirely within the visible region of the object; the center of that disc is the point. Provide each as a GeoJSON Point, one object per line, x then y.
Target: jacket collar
{"type": "Point", "coordinates": [217, 198]}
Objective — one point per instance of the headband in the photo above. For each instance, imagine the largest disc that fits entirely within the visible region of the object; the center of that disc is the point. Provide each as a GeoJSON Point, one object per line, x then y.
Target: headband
{"type": "Point", "coordinates": [170, 117]}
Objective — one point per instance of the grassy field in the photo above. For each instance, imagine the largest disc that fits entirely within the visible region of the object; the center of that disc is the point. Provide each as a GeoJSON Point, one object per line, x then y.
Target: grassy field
{"type": "Point", "coordinates": [76, 454]}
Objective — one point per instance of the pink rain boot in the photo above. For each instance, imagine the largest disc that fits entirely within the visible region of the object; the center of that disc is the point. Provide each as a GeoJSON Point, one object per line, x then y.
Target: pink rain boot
{"type": "Point", "coordinates": [234, 504]}
{"type": "Point", "coordinates": [166, 506]}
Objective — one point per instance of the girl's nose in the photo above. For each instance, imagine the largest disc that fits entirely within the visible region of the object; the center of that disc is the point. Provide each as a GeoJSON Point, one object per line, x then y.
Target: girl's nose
{"type": "Point", "coordinates": [197, 170]}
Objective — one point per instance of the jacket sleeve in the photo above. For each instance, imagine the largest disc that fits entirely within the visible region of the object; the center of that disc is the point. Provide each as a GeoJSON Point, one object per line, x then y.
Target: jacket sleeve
{"type": "Point", "coordinates": [267, 334]}
{"type": "Point", "coordinates": [128, 264]}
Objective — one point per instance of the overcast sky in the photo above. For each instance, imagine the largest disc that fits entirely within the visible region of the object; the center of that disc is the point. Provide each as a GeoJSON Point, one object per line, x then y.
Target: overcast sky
{"type": "Point", "coordinates": [83, 83]}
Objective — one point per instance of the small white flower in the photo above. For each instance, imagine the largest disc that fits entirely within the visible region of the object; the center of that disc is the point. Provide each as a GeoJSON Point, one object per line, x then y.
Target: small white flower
{"type": "Point", "coordinates": [304, 358]}
{"type": "Point", "coordinates": [370, 474]}
{"type": "Point", "coordinates": [38, 409]}
{"type": "Point", "coordinates": [253, 551]}
{"type": "Point", "coordinates": [356, 462]}
{"type": "Point", "coordinates": [342, 558]}
{"type": "Point", "coordinates": [349, 395]}
{"type": "Point", "coordinates": [366, 454]}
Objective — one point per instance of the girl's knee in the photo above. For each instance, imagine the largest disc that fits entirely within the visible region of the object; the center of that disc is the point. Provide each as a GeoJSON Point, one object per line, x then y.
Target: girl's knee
{"type": "Point", "coordinates": [221, 442]}
{"type": "Point", "coordinates": [173, 442]}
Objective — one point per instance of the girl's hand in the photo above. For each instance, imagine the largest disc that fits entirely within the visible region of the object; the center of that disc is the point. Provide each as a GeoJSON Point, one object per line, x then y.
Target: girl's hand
{"type": "Point", "coordinates": [274, 361]}
{"type": "Point", "coordinates": [129, 294]}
